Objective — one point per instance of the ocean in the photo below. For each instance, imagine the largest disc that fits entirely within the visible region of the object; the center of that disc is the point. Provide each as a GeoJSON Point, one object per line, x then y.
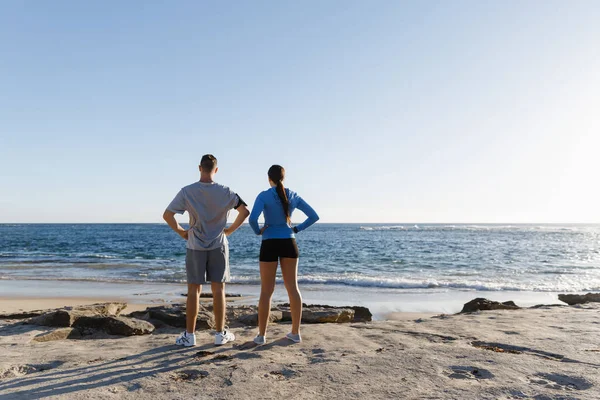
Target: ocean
{"type": "Point", "coordinates": [393, 258]}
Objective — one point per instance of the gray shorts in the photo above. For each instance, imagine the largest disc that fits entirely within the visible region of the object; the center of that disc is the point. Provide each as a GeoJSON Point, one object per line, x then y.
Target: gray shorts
{"type": "Point", "coordinates": [204, 266]}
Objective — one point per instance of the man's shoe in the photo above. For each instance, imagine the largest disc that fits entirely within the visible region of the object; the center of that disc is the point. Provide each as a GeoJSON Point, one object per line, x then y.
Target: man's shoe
{"type": "Point", "coordinates": [186, 339]}
{"type": "Point", "coordinates": [224, 337]}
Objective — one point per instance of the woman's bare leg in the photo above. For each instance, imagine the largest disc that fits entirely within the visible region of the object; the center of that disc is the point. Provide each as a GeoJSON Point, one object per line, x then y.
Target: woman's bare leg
{"type": "Point", "coordinates": [268, 271]}
{"type": "Point", "coordinates": [289, 270]}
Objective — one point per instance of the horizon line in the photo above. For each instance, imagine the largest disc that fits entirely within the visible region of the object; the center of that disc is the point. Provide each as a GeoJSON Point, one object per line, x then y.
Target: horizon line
{"type": "Point", "coordinates": [320, 223]}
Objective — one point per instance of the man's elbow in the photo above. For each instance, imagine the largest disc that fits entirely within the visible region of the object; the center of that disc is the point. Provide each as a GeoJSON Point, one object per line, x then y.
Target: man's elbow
{"type": "Point", "coordinates": [316, 217]}
{"type": "Point", "coordinates": [243, 210]}
{"type": "Point", "coordinates": [167, 215]}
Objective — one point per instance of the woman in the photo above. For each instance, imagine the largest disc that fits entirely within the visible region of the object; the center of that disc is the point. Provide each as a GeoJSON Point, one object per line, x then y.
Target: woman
{"type": "Point", "coordinates": [279, 244]}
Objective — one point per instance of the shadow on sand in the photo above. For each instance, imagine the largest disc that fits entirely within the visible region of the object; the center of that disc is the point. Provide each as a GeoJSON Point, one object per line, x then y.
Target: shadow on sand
{"type": "Point", "coordinates": [127, 370]}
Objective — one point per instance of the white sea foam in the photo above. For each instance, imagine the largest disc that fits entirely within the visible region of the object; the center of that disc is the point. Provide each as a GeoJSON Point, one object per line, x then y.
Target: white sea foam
{"type": "Point", "coordinates": [84, 255]}
{"type": "Point", "coordinates": [355, 280]}
{"type": "Point", "coordinates": [383, 228]}
{"type": "Point", "coordinates": [359, 280]}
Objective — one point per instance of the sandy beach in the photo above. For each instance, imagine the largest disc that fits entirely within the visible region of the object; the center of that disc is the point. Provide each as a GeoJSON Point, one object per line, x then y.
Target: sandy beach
{"type": "Point", "coordinates": [544, 353]}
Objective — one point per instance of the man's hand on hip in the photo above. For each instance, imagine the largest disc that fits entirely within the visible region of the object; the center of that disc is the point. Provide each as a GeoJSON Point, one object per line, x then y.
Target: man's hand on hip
{"type": "Point", "coordinates": [183, 234]}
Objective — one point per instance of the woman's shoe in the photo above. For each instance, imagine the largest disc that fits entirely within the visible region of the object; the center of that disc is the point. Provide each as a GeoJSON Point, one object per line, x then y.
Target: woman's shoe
{"type": "Point", "coordinates": [294, 338]}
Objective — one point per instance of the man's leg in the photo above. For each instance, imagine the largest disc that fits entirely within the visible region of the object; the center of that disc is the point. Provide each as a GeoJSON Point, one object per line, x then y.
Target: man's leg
{"type": "Point", "coordinates": [191, 311]}
{"type": "Point", "coordinates": [195, 267]}
{"type": "Point", "coordinates": [218, 291]}
{"type": "Point", "coordinates": [217, 273]}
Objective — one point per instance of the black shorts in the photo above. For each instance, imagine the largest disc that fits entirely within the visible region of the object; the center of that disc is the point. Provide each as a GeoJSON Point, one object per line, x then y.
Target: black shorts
{"type": "Point", "coordinates": [272, 249]}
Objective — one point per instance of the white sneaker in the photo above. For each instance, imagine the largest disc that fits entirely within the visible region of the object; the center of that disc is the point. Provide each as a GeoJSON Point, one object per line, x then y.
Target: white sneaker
{"type": "Point", "coordinates": [186, 339]}
{"type": "Point", "coordinates": [260, 340]}
{"type": "Point", "coordinates": [224, 337]}
{"type": "Point", "coordinates": [294, 338]}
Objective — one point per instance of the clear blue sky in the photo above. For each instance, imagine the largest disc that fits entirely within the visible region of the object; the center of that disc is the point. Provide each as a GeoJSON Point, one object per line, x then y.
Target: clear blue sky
{"type": "Point", "coordinates": [381, 111]}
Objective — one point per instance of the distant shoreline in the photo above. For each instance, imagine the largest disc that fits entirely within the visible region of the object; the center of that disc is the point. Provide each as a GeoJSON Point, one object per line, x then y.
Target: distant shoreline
{"type": "Point", "coordinates": [329, 223]}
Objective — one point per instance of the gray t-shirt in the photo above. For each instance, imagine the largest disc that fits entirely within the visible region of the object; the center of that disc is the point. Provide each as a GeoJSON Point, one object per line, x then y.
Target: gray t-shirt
{"type": "Point", "coordinates": [208, 205]}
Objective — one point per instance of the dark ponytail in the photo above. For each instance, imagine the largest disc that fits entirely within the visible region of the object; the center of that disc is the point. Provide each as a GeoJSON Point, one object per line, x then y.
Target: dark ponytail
{"type": "Point", "coordinates": [277, 174]}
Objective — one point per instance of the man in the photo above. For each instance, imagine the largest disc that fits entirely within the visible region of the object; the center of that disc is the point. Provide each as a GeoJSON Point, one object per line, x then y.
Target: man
{"type": "Point", "coordinates": [207, 259]}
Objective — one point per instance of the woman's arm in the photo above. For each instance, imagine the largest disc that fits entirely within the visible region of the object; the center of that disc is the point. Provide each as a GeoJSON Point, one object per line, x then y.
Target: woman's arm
{"type": "Point", "coordinates": [257, 209]}
{"type": "Point", "coordinates": [310, 213]}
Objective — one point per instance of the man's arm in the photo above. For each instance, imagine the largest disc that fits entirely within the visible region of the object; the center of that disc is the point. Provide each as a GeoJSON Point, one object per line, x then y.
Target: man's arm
{"type": "Point", "coordinates": [169, 217]}
{"type": "Point", "coordinates": [241, 217]}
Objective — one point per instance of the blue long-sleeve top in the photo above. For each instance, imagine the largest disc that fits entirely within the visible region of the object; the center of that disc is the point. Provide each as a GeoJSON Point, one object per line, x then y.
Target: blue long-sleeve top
{"type": "Point", "coordinates": [269, 204]}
